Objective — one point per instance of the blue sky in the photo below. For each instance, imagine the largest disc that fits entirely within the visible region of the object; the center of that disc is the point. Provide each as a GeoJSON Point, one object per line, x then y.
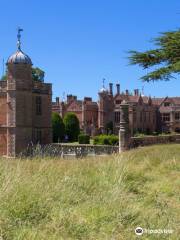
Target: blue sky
{"type": "Point", "coordinates": [78, 42]}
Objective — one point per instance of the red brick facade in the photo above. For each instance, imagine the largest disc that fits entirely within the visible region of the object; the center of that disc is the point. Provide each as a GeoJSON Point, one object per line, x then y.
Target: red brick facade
{"type": "Point", "coordinates": [146, 114]}
{"type": "Point", "coordinates": [25, 116]}
{"type": "Point", "coordinates": [168, 118]}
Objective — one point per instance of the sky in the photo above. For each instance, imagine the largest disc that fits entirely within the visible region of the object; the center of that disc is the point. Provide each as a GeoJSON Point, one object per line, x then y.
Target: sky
{"type": "Point", "coordinates": [78, 43]}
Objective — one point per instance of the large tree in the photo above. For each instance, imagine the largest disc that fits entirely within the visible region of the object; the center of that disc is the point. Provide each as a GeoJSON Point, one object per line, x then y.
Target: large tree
{"type": "Point", "coordinates": [165, 58]}
{"type": "Point", "coordinates": [57, 127]}
{"type": "Point", "coordinates": [72, 128]}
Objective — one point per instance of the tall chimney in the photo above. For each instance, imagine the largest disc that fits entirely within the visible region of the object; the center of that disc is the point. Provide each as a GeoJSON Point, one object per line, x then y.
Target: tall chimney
{"type": "Point", "coordinates": [136, 92]}
{"type": "Point", "coordinates": [127, 92]}
{"type": "Point", "coordinates": [118, 88]}
{"type": "Point", "coordinates": [111, 88]}
{"type": "Point", "coordinates": [57, 100]}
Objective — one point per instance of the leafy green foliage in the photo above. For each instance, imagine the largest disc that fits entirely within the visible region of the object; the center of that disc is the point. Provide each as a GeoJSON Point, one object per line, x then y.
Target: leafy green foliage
{"type": "Point", "coordinates": [38, 74]}
{"type": "Point", "coordinates": [3, 78]}
{"type": "Point", "coordinates": [72, 128]}
{"type": "Point", "coordinates": [166, 57]}
{"type": "Point", "coordinates": [106, 140]}
{"type": "Point", "coordinates": [84, 139]}
{"type": "Point", "coordinates": [57, 127]}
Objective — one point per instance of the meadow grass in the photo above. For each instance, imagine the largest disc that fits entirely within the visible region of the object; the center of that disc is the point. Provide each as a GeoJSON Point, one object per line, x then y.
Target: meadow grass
{"type": "Point", "coordinates": [91, 198]}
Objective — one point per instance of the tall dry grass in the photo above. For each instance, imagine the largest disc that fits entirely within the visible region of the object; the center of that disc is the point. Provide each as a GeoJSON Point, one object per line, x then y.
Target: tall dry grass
{"type": "Point", "coordinates": [95, 198]}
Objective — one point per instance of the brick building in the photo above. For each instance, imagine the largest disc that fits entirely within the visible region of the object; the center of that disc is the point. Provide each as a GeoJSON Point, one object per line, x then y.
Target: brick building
{"type": "Point", "coordinates": [86, 111]}
{"type": "Point", "coordinates": [95, 117]}
{"type": "Point", "coordinates": [146, 114]}
{"type": "Point", "coordinates": [168, 115]}
{"type": "Point", "coordinates": [25, 115]}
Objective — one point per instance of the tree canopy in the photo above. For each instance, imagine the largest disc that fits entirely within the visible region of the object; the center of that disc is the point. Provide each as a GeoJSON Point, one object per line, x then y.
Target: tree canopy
{"type": "Point", "coordinates": [72, 128]}
{"type": "Point", "coordinates": [38, 74]}
{"type": "Point", "coordinates": [3, 78]}
{"type": "Point", "coordinates": [166, 57]}
{"type": "Point", "coordinates": [57, 127]}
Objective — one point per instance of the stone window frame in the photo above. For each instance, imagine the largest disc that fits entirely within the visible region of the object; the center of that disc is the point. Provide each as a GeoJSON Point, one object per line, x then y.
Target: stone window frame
{"type": "Point", "coordinates": [167, 104]}
{"type": "Point", "coordinates": [38, 136]}
{"type": "Point", "coordinates": [117, 116]}
{"type": "Point", "coordinates": [165, 117]}
{"type": "Point", "coordinates": [177, 116]}
{"type": "Point", "coordinates": [38, 105]}
{"type": "Point", "coordinates": [118, 101]}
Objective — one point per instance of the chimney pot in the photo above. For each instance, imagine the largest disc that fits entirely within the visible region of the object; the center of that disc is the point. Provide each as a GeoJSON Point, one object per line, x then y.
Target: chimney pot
{"type": "Point", "coordinates": [57, 100]}
{"type": "Point", "coordinates": [136, 92]}
{"type": "Point", "coordinates": [111, 88]}
{"type": "Point", "coordinates": [118, 88]}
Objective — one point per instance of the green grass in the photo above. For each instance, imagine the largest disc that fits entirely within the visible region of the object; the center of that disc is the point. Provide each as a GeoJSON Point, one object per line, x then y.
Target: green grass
{"type": "Point", "coordinates": [96, 198]}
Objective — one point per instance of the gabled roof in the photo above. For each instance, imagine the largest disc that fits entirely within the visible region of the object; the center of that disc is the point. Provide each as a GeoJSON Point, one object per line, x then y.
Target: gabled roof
{"type": "Point", "coordinates": [133, 99]}
{"type": "Point", "coordinates": [128, 98]}
{"type": "Point", "coordinates": [145, 99]}
{"type": "Point", "coordinates": [157, 101]}
{"type": "Point", "coordinates": [176, 100]}
{"type": "Point", "coordinates": [74, 105]}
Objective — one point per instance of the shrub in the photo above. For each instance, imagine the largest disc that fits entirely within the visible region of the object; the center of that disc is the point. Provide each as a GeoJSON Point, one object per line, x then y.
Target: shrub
{"type": "Point", "coordinates": [114, 140]}
{"type": "Point", "coordinates": [72, 128]}
{"type": "Point", "coordinates": [84, 139]}
{"type": "Point", "coordinates": [57, 127]}
{"type": "Point", "coordinates": [106, 140]}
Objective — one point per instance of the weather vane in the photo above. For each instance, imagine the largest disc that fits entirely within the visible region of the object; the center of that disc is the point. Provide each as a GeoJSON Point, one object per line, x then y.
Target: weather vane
{"type": "Point", "coordinates": [19, 38]}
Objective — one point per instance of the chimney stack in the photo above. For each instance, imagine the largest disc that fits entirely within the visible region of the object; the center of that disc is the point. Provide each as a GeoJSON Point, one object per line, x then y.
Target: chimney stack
{"type": "Point", "coordinates": [57, 100]}
{"type": "Point", "coordinates": [111, 88]}
{"type": "Point", "coordinates": [136, 92]}
{"type": "Point", "coordinates": [127, 92]}
{"type": "Point", "coordinates": [118, 88]}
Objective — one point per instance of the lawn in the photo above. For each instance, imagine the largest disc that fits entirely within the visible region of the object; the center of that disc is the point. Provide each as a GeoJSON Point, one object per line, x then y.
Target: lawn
{"type": "Point", "coordinates": [92, 198]}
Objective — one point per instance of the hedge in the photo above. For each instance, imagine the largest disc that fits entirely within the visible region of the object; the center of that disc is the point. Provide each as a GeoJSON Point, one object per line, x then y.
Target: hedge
{"type": "Point", "coordinates": [106, 140]}
{"type": "Point", "coordinates": [83, 139]}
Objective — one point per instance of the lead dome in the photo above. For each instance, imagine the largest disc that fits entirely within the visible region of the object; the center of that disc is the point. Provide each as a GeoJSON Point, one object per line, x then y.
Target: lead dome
{"type": "Point", "coordinates": [19, 56]}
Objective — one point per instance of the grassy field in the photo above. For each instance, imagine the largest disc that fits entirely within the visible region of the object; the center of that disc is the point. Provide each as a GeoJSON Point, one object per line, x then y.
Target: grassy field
{"type": "Point", "coordinates": [96, 198]}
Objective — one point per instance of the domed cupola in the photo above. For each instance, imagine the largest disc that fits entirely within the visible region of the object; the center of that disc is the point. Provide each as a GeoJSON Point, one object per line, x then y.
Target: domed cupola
{"type": "Point", "coordinates": [19, 56]}
{"type": "Point", "coordinates": [103, 90]}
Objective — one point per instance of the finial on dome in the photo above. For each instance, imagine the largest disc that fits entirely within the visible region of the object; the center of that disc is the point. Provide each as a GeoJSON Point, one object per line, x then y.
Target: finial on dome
{"type": "Point", "coordinates": [19, 38]}
{"type": "Point", "coordinates": [19, 56]}
{"type": "Point", "coordinates": [103, 89]}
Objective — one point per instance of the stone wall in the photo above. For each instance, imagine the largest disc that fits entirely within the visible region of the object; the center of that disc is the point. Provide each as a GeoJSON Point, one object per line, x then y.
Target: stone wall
{"type": "Point", "coordinates": [150, 140]}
